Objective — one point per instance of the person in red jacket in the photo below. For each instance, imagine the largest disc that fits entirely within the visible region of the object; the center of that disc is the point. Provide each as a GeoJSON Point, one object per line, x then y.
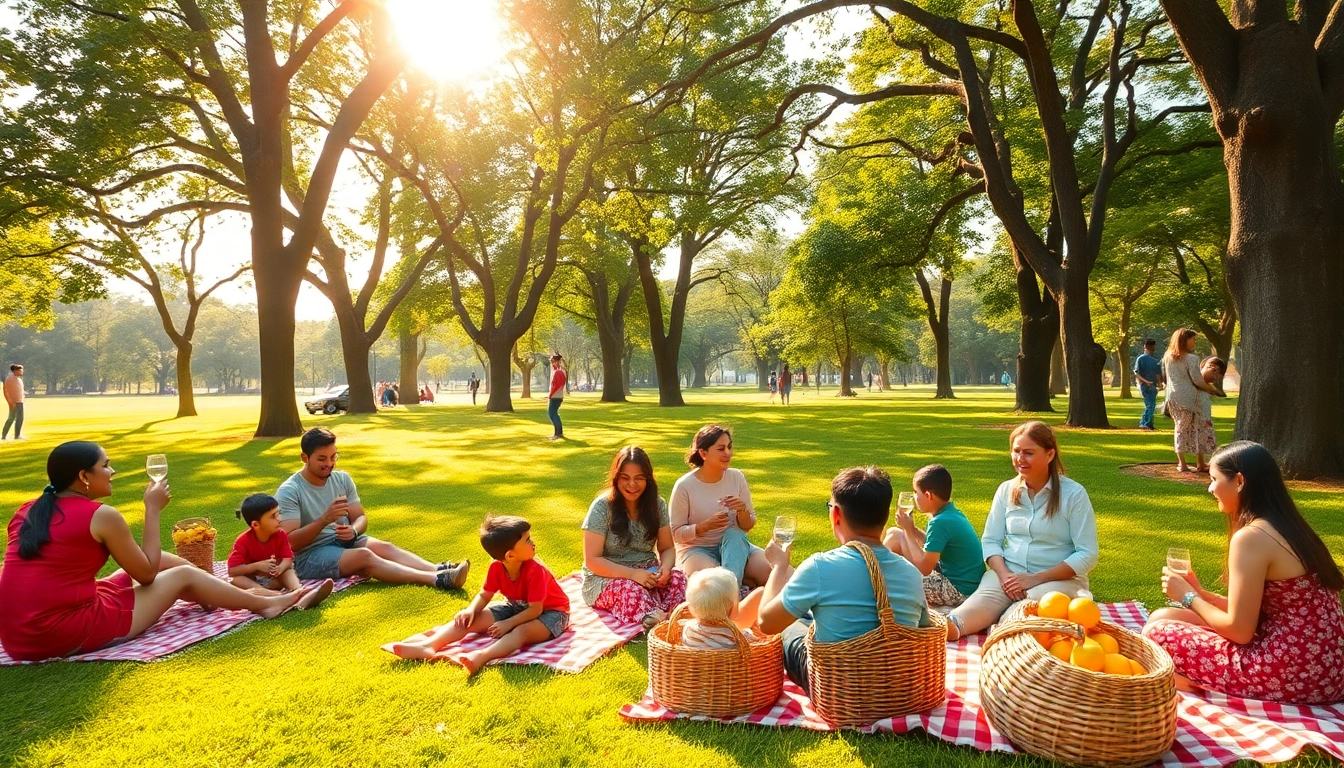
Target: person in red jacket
{"type": "Point", "coordinates": [558, 381]}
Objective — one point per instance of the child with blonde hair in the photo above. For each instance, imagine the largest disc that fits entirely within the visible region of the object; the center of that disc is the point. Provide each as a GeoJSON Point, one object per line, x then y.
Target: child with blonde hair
{"type": "Point", "coordinates": [711, 595]}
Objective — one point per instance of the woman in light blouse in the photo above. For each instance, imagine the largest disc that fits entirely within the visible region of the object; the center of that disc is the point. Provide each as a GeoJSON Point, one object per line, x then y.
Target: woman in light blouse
{"type": "Point", "coordinates": [1193, 433]}
{"type": "Point", "coordinates": [1040, 536]}
{"type": "Point", "coordinates": [711, 512]}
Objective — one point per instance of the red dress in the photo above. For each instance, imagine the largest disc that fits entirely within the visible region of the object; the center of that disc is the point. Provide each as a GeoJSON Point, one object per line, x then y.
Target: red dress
{"type": "Point", "coordinates": [53, 604]}
{"type": "Point", "coordinates": [1296, 655]}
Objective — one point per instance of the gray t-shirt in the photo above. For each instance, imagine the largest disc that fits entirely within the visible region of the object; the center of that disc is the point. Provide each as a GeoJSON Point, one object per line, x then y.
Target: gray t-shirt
{"type": "Point", "coordinates": [301, 500]}
{"type": "Point", "coordinates": [640, 549]}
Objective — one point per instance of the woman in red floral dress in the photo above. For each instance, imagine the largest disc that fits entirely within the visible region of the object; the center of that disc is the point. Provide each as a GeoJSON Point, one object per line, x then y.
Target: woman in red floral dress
{"type": "Point", "coordinates": [1279, 633]}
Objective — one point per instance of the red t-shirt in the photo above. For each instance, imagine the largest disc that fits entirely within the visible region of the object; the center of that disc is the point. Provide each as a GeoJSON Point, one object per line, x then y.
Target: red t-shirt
{"type": "Point", "coordinates": [535, 584]}
{"type": "Point", "coordinates": [248, 549]}
{"type": "Point", "coordinates": [558, 379]}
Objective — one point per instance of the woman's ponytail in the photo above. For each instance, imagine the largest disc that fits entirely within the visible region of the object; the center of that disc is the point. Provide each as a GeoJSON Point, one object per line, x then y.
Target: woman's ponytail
{"type": "Point", "coordinates": [64, 464]}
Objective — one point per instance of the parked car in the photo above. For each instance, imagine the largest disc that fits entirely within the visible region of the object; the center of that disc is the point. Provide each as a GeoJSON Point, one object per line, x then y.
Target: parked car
{"type": "Point", "coordinates": [332, 401]}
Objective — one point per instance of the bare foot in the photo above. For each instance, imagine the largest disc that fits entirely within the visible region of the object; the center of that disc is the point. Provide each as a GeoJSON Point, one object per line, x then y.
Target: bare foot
{"type": "Point", "coordinates": [315, 596]}
{"type": "Point", "coordinates": [412, 651]}
{"type": "Point", "coordinates": [281, 604]}
{"type": "Point", "coordinates": [468, 662]}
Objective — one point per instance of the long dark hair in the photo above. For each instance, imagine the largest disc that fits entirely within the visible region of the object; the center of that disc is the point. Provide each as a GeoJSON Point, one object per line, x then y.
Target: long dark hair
{"type": "Point", "coordinates": [647, 504]}
{"type": "Point", "coordinates": [1265, 497]}
{"type": "Point", "coordinates": [64, 464]}
{"type": "Point", "coordinates": [704, 440]}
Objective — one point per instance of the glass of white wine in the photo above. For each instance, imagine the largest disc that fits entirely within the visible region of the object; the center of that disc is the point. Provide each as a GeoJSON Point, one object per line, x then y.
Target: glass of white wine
{"type": "Point", "coordinates": [785, 528]}
{"type": "Point", "coordinates": [905, 502]}
{"type": "Point", "coordinates": [1178, 562]}
{"type": "Point", "coordinates": [156, 466]}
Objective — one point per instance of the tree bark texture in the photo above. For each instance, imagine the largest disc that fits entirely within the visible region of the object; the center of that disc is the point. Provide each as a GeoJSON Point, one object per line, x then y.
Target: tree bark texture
{"type": "Point", "coordinates": [1059, 378]}
{"type": "Point", "coordinates": [937, 313]}
{"type": "Point", "coordinates": [186, 395]}
{"type": "Point", "coordinates": [1039, 336]}
{"type": "Point", "coordinates": [1277, 90]}
{"type": "Point", "coordinates": [355, 348]}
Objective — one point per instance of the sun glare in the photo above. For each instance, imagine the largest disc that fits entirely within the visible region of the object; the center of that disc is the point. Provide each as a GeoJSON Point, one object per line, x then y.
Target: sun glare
{"type": "Point", "coordinates": [449, 39]}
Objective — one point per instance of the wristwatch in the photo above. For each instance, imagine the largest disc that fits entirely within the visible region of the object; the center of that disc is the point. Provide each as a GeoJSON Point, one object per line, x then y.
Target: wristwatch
{"type": "Point", "coordinates": [1188, 600]}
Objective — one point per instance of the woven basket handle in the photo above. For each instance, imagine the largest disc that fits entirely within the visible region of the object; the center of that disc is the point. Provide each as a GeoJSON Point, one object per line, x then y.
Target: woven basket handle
{"type": "Point", "coordinates": [674, 629]}
{"type": "Point", "coordinates": [1033, 624]}
{"type": "Point", "coordinates": [885, 618]}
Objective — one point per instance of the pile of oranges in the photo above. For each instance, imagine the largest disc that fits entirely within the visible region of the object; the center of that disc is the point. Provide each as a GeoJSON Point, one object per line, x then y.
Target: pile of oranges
{"type": "Point", "coordinates": [1099, 652]}
{"type": "Point", "coordinates": [194, 534]}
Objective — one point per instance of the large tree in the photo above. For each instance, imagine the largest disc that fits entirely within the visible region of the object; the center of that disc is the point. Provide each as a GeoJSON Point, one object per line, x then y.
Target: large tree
{"type": "Point", "coordinates": [125, 98]}
{"type": "Point", "coordinates": [1275, 82]}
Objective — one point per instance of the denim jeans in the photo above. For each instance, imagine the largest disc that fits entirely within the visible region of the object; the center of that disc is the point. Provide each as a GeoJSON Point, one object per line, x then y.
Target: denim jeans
{"type": "Point", "coordinates": [1149, 404]}
{"type": "Point", "coordinates": [794, 638]}
{"type": "Point", "coordinates": [553, 413]}
{"type": "Point", "coordinates": [15, 419]}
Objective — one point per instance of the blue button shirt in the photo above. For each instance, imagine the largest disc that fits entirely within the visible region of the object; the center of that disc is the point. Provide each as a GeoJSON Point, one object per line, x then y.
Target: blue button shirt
{"type": "Point", "coordinates": [1029, 541]}
{"type": "Point", "coordinates": [1148, 367]}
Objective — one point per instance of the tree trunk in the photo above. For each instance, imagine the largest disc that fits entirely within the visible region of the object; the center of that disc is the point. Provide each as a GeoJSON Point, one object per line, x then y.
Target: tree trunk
{"type": "Point", "coordinates": [1039, 336]}
{"type": "Point", "coordinates": [886, 374]}
{"type": "Point", "coordinates": [1284, 263]}
{"type": "Point", "coordinates": [937, 315]}
{"type": "Point", "coordinates": [355, 348]}
{"type": "Point", "coordinates": [1059, 379]}
{"type": "Point", "coordinates": [186, 396]}
{"type": "Point", "coordinates": [844, 374]}
{"type": "Point", "coordinates": [701, 379]}
{"type": "Point", "coordinates": [499, 373]}
{"type": "Point", "coordinates": [277, 291]}
{"type": "Point", "coordinates": [762, 375]}
{"type": "Point", "coordinates": [1122, 352]}
{"type": "Point", "coordinates": [525, 366]}
{"type": "Point", "coordinates": [1083, 358]}
{"type": "Point", "coordinates": [409, 375]}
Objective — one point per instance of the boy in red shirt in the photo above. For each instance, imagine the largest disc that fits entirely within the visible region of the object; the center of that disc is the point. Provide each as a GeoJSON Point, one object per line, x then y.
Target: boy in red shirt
{"type": "Point", "coordinates": [261, 560]}
{"type": "Point", "coordinates": [537, 609]}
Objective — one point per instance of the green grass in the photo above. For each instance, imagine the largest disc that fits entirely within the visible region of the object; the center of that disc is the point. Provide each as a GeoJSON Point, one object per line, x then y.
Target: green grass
{"type": "Point", "coordinates": [314, 689]}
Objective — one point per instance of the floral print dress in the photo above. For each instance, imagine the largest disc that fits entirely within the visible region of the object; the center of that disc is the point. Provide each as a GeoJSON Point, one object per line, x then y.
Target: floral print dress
{"type": "Point", "coordinates": [1296, 655]}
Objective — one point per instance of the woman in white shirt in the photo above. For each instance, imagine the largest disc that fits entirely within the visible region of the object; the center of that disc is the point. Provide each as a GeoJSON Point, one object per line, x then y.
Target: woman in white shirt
{"type": "Point", "coordinates": [1184, 381]}
{"type": "Point", "coordinates": [711, 512]}
{"type": "Point", "coordinates": [1040, 536]}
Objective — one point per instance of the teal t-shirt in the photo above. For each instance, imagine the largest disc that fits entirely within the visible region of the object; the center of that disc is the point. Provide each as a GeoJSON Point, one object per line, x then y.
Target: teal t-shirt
{"type": "Point", "coordinates": [952, 536]}
{"type": "Point", "coordinates": [835, 587]}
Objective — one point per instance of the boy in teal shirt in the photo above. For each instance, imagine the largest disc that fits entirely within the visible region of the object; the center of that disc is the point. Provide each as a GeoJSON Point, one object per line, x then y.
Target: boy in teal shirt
{"type": "Point", "coordinates": [949, 553]}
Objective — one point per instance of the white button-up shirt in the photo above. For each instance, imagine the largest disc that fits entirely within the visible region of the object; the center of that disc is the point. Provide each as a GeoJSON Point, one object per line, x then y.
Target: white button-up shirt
{"type": "Point", "coordinates": [1029, 541]}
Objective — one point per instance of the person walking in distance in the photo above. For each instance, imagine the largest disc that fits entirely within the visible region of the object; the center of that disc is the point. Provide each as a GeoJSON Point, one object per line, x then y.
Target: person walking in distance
{"type": "Point", "coordinates": [557, 396]}
{"type": "Point", "coordinates": [14, 398]}
{"type": "Point", "coordinates": [474, 384]}
{"type": "Point", "coordinates": [1148, 370]}
{"type": "Point", "coordinates": [785, 384]}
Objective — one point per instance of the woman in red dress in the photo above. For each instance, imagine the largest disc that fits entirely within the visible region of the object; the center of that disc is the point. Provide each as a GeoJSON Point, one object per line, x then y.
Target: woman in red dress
{"type": "Point", "coordinates": [1279, 633]}
{"type": "Point", "coordinates": [55, 605]}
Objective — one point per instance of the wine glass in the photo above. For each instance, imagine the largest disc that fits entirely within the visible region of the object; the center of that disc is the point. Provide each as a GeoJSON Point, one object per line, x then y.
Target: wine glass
{"type": "Point", "coordinates": [1178, 561]}
{"type": "Point", "coordinates": [156, 466]}
{"type": "Point", "coordinates": [785, 527]}
{"type": "Point", "coordinates": [905, 502]}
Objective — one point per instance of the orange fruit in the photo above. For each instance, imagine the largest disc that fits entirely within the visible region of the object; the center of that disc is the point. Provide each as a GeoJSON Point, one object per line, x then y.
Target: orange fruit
{"type": "Point", "coordinates": [1053, 605]}
{"type": "Point", "coordinates": [1088, 656]}
{"type": "Point", "coordinates": [1135, 668]}
{"type": "Point", "coordinates": [1046, 639]}
{"type": "Point", "coordinates": [1106, 642]}
{"type": "Point", "coordinates": [1062, 650]}
{"type": "Point", "coordinates": [1115, 664]}
{"type": "Point", "coordinates": [1085, 612]}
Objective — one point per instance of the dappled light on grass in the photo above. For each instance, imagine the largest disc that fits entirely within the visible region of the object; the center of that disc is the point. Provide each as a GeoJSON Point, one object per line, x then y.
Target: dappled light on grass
{"type": "Point", "coordinates": [314, 689]}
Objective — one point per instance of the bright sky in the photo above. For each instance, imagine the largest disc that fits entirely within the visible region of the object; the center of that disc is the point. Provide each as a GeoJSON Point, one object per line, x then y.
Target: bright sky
{"type": "Point", "coordinates": [451, 40]}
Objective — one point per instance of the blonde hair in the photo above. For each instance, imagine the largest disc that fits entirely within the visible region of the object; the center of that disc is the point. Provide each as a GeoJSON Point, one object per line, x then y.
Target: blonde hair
{"type": "Point", "coordinates": [1042, 435]}
{"type": "Point", "coordinates": [712, 593]}
{"type": "Point", "coordinates": [1176, 349]}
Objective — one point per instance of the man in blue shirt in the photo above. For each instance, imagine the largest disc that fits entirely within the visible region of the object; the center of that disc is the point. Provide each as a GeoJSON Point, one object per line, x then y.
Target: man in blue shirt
{"type": "Point", "coordinates": [833, 588]}
{"type": "Point", "coordinates": [1148, 371]}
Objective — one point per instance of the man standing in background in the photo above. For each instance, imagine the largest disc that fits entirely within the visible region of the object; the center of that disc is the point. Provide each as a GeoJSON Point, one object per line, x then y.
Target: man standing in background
{"type": "Point", "coordinates": [14, 398]}
{"type": "Point", "coordinates": [558, 381]}
{"type": "Point", "coordinates": [1148, 370]}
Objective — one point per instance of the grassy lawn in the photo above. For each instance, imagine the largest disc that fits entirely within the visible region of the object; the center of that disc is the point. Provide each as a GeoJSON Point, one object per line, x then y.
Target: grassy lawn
{"type": "Point", "coordinates": [314, 689]}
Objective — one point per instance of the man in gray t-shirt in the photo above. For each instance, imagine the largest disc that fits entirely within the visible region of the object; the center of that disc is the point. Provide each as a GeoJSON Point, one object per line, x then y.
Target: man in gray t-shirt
{"type": "Point", "coordinates": [321, 512]}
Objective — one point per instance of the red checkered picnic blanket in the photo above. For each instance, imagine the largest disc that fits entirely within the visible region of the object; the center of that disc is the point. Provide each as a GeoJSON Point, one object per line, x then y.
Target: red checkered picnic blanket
{"type": "Point", "coordinates": [180, 626]}
{"type": "Point", "coordinates": [1211, 730]}
{"type": "Point", "coordinates": [590, 636]}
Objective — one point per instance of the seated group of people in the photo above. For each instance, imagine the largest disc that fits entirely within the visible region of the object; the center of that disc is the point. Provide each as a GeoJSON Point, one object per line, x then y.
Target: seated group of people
{"type": "Point", "coordinates": [1278, 634]}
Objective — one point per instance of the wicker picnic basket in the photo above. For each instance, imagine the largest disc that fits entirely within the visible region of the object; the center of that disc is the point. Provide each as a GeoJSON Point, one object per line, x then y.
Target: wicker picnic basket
{"type": "Point", "coordinates": [1050, 708]}
{"type": "Point", "coordinates": [891, 671]}
{"type": "Point", "coordinates": [714, 682]}
{"type": "Point", "coordinates": [199, 553]}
